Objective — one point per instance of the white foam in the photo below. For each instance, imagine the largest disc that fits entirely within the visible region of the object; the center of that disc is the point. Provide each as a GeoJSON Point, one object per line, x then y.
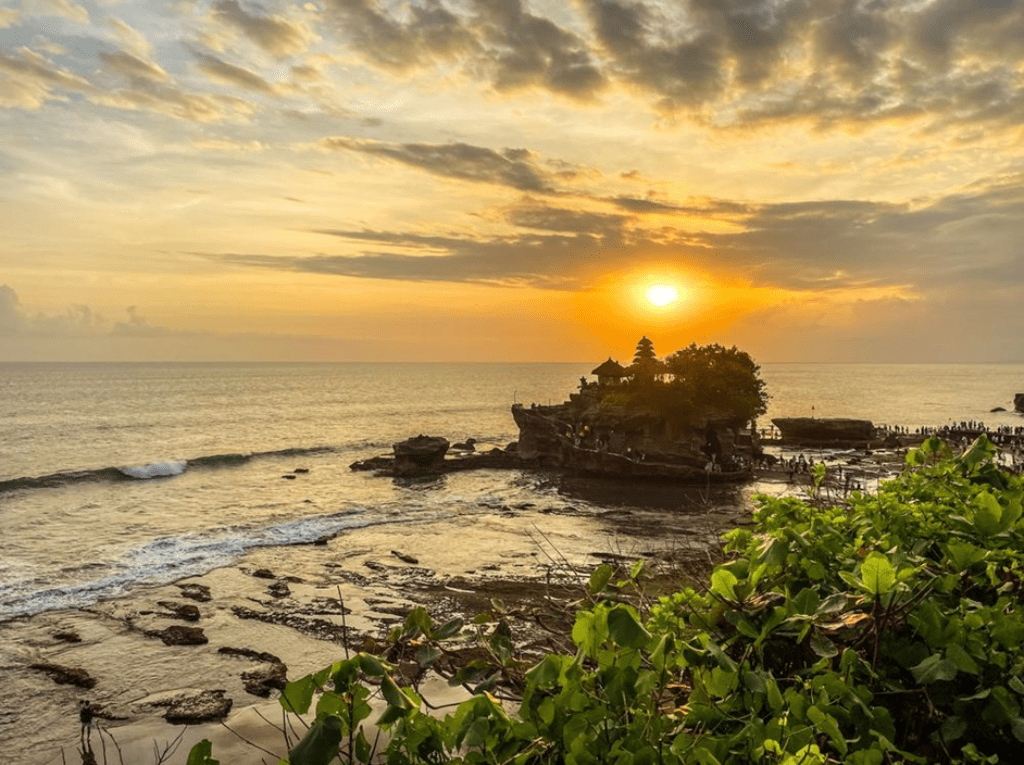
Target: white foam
{"type": "Point", "coordinates": [156, 469]}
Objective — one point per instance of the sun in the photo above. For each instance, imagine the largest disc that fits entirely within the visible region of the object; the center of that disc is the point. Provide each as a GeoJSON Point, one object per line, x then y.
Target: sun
{"type": "Point", "coordinates": [662, 294]}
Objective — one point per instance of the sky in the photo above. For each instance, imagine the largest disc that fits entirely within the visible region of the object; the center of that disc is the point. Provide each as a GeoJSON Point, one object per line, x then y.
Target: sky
{"type": "Point", "coordinates": [503, 180]}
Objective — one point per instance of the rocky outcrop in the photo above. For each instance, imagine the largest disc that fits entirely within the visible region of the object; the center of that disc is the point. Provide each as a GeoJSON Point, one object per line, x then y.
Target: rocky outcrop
{"type": "Point", "coordinates": [421, 454]}
{"type": "Point", "coordinates": [185, 611]}
{"type": "Point", "coordinates": [192, 708]}
{"type": "Point", "coordinates": [816, 431]}
{"type": "Point", "coordinates": [1018, 403]}
{"type": "Point", "coordinates": [593, 436]}
{"type": "Point", "coordinates": [180, 635]}
{"type": "Point", "coordinates": [66, 675]}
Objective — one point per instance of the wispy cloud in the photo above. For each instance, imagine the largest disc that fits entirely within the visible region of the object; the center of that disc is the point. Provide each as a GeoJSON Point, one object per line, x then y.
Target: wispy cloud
{"type": "Point", "coordinates": [515, 168]}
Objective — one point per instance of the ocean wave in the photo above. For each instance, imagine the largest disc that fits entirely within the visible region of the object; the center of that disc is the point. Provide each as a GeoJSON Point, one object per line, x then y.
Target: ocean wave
{"type": "Point", "coordinates": [156, 469]}
{"type": "Point", "coordinates": [165, 560]}
{"type": "Point", "coordinates": [161, 469]}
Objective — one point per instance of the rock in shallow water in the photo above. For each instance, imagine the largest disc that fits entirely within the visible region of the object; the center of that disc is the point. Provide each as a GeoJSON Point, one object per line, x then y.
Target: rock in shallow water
{"type": "Point", "coordinates": [185, 611]}
{"type": "Point", "coordinates": [66, 675]}
{"type": "Point", "coordinates": [180, 635]}
{"type": "Point", "coordinates": [198, 707]}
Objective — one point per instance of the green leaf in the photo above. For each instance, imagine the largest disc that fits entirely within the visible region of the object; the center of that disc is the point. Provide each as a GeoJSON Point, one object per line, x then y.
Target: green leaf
{"type": "Point", "coordinates": [933, 669]}
{"type": "Point", "coordinates": [393, 694]}
{"type": "Point", "coordinates": [636, 570]}
{"type": "Point", "coordinates": [952, 729]}
{"type": "Point", "coordinates": [625, 629]}
{"type": "Point", "coordinates": [363, 750]}
{"type": "Point", "coordinates": [320, 744]}
{"type": "Point", "coordinates": [371, 665]}
{"type": "Point", "coordinates": [988, 514]}
{"type": "Point", "coordinates": [298, 695]}
{"type": "Point", "coordinates": [723, 583]}
{"type": "Point", "coordinates": [822, 646]}
{"type": "Point", "coordinates": [1017, 726]}
{"type": "Point", "coordinates": [200, 754]}
{"type": "Point", "coordinates": [876, 574]}
{"type": "Point", "coordinates": [448, 629]}
{"type": "Point", "coordinates": [775, 700]}
{"type": "Point", "coordinates": [599, 578]}
{"type": "Point", "coordinates": [962, 659]}
{"type": "Point", "coordinates": [827, 724]}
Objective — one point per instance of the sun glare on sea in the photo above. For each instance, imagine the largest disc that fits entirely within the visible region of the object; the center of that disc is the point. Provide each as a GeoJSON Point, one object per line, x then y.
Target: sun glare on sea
{"type": "Point", "coordinates": [662, 294]}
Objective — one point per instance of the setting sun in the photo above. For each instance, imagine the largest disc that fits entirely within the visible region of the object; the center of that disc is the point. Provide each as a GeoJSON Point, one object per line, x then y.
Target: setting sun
{"type": "Point", "coordinates": [662, 294]}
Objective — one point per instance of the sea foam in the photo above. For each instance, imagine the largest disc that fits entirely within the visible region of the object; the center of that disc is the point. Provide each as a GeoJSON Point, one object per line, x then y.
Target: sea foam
{"type": "Point", "coordinates": [156, 469]}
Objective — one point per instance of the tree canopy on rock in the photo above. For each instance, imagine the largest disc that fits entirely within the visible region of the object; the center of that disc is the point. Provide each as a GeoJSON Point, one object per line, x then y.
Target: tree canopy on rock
{"type": "Point", "coordinates": [699, 378]}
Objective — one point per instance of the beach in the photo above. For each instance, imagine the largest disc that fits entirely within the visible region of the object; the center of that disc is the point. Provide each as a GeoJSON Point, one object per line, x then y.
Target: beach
{"type": "Point", "coordinates": [534, 560]}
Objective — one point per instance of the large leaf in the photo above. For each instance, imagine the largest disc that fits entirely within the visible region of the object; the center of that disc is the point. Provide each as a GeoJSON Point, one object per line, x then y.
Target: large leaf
{"type": "Point", "coordinates": [988, 514]}
{"type": "Point", "coordinates": [933, 669]}
{"type": "Point", "coordinates": [200, 754]}
{"type": "Point", "coordinates": [877, 574]}
{"type": "Point", "coordinates": [723, 583]}
{"type": "Point", "coordinates": [625, 629]}
{"type": "Point", "coordinates": [298, 695]}
{"type": "Point", "coordinates": [320, 745]}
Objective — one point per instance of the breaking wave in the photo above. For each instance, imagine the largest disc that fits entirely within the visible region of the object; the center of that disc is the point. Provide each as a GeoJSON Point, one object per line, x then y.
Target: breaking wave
{"type": "Point", "coordinates": [163, 469]}
{"type": "Point", "coordinates": [166, 560]}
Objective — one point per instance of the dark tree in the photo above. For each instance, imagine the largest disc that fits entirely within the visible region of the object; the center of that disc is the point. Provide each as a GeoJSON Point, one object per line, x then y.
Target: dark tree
{"type": "Point", "coordinates": [713, 376]}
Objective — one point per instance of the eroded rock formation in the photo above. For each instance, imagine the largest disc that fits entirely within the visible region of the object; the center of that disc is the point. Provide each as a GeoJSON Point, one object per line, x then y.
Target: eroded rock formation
{"type": "Point", "coordinates": [1018, 402]}
{"type": "Point", "coordinates": [590, 434]}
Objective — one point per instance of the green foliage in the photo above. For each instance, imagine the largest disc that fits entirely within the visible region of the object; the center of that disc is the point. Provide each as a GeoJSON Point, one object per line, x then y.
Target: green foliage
{"type": "Point", "coordinates": [716, 376]}
{"type": "Point", "coordinates": [699, 379]}
{"type": "Point", "coordinates": [886, 630]}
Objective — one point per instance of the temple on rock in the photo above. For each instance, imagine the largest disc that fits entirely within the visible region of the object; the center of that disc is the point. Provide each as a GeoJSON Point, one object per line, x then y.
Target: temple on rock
{"type": "Point", "coordinates": [632, 423]}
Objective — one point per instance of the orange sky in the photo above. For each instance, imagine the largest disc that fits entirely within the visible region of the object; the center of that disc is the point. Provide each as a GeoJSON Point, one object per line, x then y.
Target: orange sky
{"type": "Point", "coordinates": [498, 180]}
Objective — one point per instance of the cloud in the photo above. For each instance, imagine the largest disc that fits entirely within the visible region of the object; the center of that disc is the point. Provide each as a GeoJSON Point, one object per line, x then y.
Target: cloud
{"type": "Point", "coordinates": [131, 38]}
{"type": "Point", "coordinates": [512, 48]}
{"type": "Point", "coordinates": [28, 80]}
{"type": "Point", "coordinates": [77, 321]}
{"type": "Point", "coordinates": [964, 240]}
{"type": "Point", "coordinates": [11, 316]}
{"type": "Point", "coordinates": [231, 74]}
{"type": "Point", "coordinates": [9, 17]}
{"type": "Point", "coordinates": [507, 261]}
{"type": "Point", "coordinates": [65, 8]}
{"type": "Point", "coordinates": [431, 34]}
{"type": "Point", "coordinates": [535, 215]}
{"type": "Point", "coordinates": [138, 326]}
{"type": "Point", "coordinates": [273, 33]}
{"type": "Point", "coordinates": [133, 68]}
{"type": "Point", "coordinates": [524, 50]}
{"type": "Point", "coordinates": [515, 168]}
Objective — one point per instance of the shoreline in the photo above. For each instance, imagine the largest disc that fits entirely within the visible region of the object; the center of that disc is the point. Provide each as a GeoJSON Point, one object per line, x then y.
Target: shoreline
{"type": "Point", "coordinates": [299, 604]}
{"type": "Point", "coordinates": [526, 557]}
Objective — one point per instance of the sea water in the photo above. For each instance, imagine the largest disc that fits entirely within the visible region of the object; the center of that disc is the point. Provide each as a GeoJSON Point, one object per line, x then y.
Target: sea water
{"type": "Point", "coordinates": [119, 475]}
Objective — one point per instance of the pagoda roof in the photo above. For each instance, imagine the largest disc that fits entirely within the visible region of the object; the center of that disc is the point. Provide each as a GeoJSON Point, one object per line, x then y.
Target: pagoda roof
{"type": "Point", "coordinates": [610, 369]}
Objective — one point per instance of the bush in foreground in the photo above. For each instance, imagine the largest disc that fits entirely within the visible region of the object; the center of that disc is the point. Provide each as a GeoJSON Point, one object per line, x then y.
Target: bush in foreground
{"type": "Point", "coordinates": [886, 629]}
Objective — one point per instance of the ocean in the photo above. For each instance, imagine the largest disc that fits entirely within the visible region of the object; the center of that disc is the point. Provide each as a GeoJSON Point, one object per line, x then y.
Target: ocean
{"type": "Point", "coordinates": [114, 476]}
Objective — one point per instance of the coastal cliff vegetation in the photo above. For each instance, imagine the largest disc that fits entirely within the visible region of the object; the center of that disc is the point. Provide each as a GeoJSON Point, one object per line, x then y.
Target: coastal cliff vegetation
{"type": "Point", "coordinates": [876, 628]}
{"type": "Point", "coordinates": [694, 379]}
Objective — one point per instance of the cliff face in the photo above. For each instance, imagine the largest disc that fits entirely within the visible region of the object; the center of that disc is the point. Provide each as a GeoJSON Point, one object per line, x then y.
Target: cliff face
{"type": "Point", "coordinates": [596, 437]}
{"type": "Point", "coordinates": [1018, 402]}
